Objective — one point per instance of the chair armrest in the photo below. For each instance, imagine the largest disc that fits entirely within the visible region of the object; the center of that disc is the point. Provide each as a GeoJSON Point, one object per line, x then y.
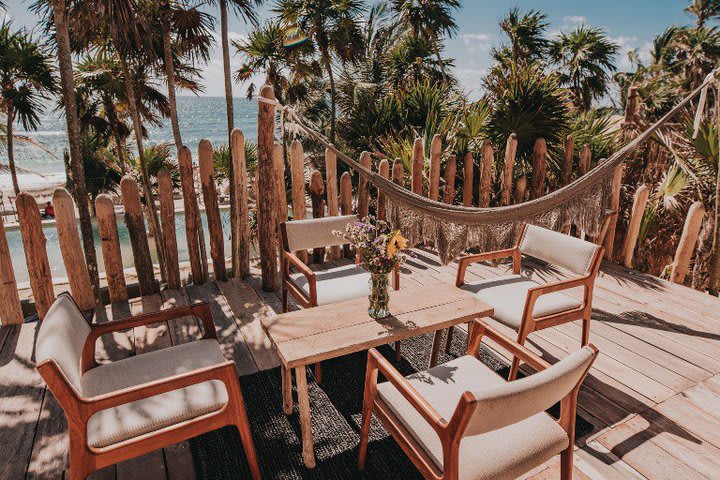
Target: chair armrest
{"type": "Point", "coordinates": [480, 328]}
{"type": "Point", "coordinates": [223, 372]}
{"type": "Point", "coordinates": [466, 260]}
{"type": "Point", "coordinates": [536, 292]}
{"type": "Point", "coordinates": [305, 270]}
{"type": "Point", "coordinates": [380, 363]}
{"type": "Point", "coordinates": [200, 310]}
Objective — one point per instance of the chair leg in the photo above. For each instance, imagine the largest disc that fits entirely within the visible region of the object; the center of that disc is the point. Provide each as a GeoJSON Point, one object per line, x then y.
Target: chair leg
{"type": "Point", "coordinates": [586, 329]}
{"type": "Point", "coordinates": [398, 351]}
{"type": "Point", "coordinates": [365, 428]}
{"type": "Point", "coordinates": [515, 366]}
{"type": "Point", "coordinates": [80, 465]}
{"type": "Point", "coordinates": [243, 426]}
{"type": "Point", "coordinates": [318, 373]}
{"type": "Point", "coordinates": [566, 463]}
{"type": "Point", "coordinates": [284, 299]}
{"type": "Point", "coordinates": [448, 340]}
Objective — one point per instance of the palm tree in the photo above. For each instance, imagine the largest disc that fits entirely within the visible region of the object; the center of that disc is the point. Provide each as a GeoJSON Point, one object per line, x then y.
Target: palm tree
{"type": "Point", "coordinates": [585, 56]}
{"type": "Point", "coordinates": [526, 32]}
{"type": "Point", "coordinates": [432, 19]}
{"type": "Point", "coordinates": [334, 26]}
{"type": "Point", "coordinates": [57, 15]}
{"type": "Point", "coordinates": [703, 10]}
{"type": "Point", "coordinates": [27, 77]}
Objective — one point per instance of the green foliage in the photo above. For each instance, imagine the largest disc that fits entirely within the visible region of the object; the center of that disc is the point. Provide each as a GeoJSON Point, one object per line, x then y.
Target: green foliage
{"type": "Point", "coordinates": [222, 160]}
{"type": "Point", "coordinates": [597, 128]}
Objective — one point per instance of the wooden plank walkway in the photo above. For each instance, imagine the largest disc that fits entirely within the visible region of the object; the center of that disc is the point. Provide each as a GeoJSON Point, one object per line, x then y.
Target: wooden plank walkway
{"type": "Point", "coordinates": [653, 395]}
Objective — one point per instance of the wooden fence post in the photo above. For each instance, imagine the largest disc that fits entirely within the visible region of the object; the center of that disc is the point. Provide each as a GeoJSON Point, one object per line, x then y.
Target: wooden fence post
{"type": "Point", "coordinates": [10, 308]}
{"type": "Point", "coordinates": [297, 179]}
{"type": "Point", "coordinates": [508, 168]}
{"type": "Point", "coordinates": [609, 243]}
{"type": "Point", "coordinates": [417, 167]}
{"type": "Point", "coordinates": [193, 229]}
{"type": "Point", "coordinates": [585, 157]}
{"type": "Point", "coordinates": [36, 258]}
{"type": "Point", "coordinates": [169, 237]}
{"type": "Point", "coordinates": [297, 175]}
{"type": "Point", "coordinates": [110, 243]}
{"type": "Point", "coordinates": [520, 189]}
{"type": "Point", "coordinates": [567, 168]}
{"type": "Point", "coordinates": [686, 246]}
{"type": "Point", "coordinates": [398, 172]}
{"type": "Point", "coordinates": [266, 202]}
{"type": "Point", "coordinates": [331, 193]}
{"type": "Point", "coordinates": [450, 173]}
{"type": "Point", "coordinates": [632, 104]}
{"type": "Point", "coordinates": [346, 204]}
{"type": "Point", "coordinates": [539, 160]}
{"type": "Point", "coordinates": [279, 175]}
{"type": "Point", "coordinates": [468, 169]}
{"type": "Point", "coordinates": [241, 246]}
{"type": "Point", "coordinates": [384, 171]}
{"type": "Point", "coordinates": [72, 252]}
{"type": "Point", "coordinates": [212, 209]}
{"type": "Point", "coordinates": [363, 202]}
{"type": "Point", "coordinates": [435, 159]}
{"type": "Point", "coordinates": [317, 192]}
{"type": "Point", "coordinates": [638, 208]}
{"type": "Point", "coordinates": [138, 236]}
{"type": "Point", "coordinates": [486, 163]}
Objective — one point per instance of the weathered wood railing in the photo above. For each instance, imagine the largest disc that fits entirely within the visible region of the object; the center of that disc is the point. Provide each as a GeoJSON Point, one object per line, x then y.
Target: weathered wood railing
{"type": "Point", "coordinates": [308, 190]}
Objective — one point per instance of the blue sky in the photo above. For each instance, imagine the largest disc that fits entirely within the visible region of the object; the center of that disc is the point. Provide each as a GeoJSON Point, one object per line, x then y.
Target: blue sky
{"type": "Point", "coordinates": [631, 23]}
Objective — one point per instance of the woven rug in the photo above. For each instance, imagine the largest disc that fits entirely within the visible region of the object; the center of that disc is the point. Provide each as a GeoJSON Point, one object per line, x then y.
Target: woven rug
{"type": "Point", "coordinates": [336, 407]}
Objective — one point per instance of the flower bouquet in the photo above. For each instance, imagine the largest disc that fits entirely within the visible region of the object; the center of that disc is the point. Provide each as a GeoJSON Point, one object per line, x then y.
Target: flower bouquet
{"type": "Point", "coordinates": [379, 249]}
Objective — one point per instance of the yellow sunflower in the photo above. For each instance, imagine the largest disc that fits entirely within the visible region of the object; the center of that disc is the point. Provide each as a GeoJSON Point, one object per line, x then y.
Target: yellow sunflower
{"type": "Point", "coordinates": [397, 242]}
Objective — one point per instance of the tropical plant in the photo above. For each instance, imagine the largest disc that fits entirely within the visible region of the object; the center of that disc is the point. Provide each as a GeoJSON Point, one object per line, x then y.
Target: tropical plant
{"type": "Point", "coordinates": [334, 27]}
{"type": "Point", "coordinates": [27, 79]}
{"type": "Point", "coordinates": [101, 170]}
{"type": "Point", "coordinates": [704, 10]}
{"type": "Point", "coordinates": [585, 58]}
{"type": "Point", "coordinates": [222, 160]}
{"type": "Point", "coordinates": [431, 20]}
{"type": "Point", "coordinates": [526, 32]}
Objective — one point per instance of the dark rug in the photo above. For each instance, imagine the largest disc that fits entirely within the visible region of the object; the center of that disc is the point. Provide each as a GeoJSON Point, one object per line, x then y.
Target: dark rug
{"type": "Point", "coordinates": [336, 407]}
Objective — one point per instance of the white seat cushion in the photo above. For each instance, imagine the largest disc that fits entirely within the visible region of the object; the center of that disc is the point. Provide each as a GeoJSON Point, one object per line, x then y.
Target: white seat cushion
{"type": "Point", "coordinates": [501, 454]}
{"type": "Point", "coordinates": [507, 296]}
{"type": "Point", "coordinates": [147, 415]}
{"type": "Point", "coordinates": [336, 284]}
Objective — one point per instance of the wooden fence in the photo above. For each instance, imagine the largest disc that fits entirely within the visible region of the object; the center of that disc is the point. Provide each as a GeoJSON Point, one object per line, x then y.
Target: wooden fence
{"type": "Point", "coordinates": [328, 196]}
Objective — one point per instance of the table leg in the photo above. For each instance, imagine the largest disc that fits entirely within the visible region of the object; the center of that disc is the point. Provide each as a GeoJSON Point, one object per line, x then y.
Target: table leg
{"type": "Point", "coordinates": [305, 422]}
{"type": "Point", "coordinates": [435, 348]}
{"type": "Point", "coordinates": [286, 390]}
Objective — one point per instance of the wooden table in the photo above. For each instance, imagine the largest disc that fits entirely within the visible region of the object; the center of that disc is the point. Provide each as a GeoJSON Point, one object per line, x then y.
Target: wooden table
{"type": "Point", "coordinates": [305, 337]}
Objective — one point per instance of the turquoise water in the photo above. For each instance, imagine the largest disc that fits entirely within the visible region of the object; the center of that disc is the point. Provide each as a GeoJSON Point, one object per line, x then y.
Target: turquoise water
{"type": "Point", "coordinates": [55, 258]}
{"type": "Point", "coordinates": [200, 117]}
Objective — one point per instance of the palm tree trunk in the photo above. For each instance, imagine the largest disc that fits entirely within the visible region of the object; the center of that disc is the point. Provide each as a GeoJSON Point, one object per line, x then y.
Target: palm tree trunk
{"type": "Point", "coordinates": [331, 78]}
{"type": "Point", "coordinates": [230, 125]}
{"type": "Point", "coordinates": [145, 177]}
{"type": "Point", "coordinates": [10, 148]}
{"type": "Point", "coordinates": [170, 76]}
{"type": "Point", "coordinates": [436, 49]}
{"type": "Point", "coordinates": [714, 281]}
{"type": "Point", "coordinates": [117, 136]}
{"type": "Point", "coordinates": [67, 82]}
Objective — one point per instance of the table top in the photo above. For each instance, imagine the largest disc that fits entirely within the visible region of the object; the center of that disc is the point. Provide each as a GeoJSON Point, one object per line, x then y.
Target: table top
{"type": "Point", "coordinates": [307, 336]}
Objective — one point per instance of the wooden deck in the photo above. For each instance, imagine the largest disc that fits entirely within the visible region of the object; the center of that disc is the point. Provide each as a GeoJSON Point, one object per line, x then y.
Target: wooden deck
{"type": "Point", "coordinates": [653, 394]}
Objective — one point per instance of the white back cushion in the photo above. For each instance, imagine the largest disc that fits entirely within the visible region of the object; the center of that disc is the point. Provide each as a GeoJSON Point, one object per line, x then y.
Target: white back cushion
{"type": "Point", "coordinates": [557, 248]}
{"type": "Point", "coordinates": [316, 232]}
{"type": "Point", "coordinates": [61, 338]}
{"type": "Point", "coordinates": [509, 403]}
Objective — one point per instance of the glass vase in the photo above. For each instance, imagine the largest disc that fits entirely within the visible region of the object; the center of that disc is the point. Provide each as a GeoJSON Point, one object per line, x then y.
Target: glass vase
{"type": "Point", "coordinates": [379, 297]}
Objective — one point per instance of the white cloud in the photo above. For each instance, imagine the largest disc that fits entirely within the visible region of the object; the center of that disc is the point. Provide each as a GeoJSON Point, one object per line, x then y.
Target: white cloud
{"type": "Point", "coordinates": [628, 44]}
{"type": "Point", "coordinates": [213, 73]}
{"type": "Point", "coordinates": [477, 42]}
{"type": "Point", "coordinates": [575, 20]}
{"type": "Point", "coordinates": [471, 81]}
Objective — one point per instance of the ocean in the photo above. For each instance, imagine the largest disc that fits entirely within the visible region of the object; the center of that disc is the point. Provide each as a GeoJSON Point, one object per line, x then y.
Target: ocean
{"type": "Point", "coordinates": [200, 117]}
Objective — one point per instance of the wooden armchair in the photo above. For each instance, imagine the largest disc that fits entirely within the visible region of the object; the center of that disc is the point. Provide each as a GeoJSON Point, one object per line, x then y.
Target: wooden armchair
{"type": "Point", "coordinates": [462, 420]}
{"type": "Point", "coordinates": [528, 306]}
{"type": "Point", "coordinates": [329, 283]}
{"type": "Point", "coordinates": [127, 408]}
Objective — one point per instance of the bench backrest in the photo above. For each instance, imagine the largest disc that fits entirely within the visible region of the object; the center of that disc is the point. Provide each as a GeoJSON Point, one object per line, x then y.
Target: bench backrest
{"type": "Point", "coordinates": [62, 337]}
{"type": "Point", "coordinates": [315, 232]}
{"type": "Point", "coordinates": [559, 249]}
{"type": "Point", "coordinates": [515, 401]}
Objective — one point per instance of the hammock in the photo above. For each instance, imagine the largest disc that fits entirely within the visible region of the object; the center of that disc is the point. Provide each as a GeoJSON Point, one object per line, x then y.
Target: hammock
{"type": "Point", "coordinates": [453, 228]}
